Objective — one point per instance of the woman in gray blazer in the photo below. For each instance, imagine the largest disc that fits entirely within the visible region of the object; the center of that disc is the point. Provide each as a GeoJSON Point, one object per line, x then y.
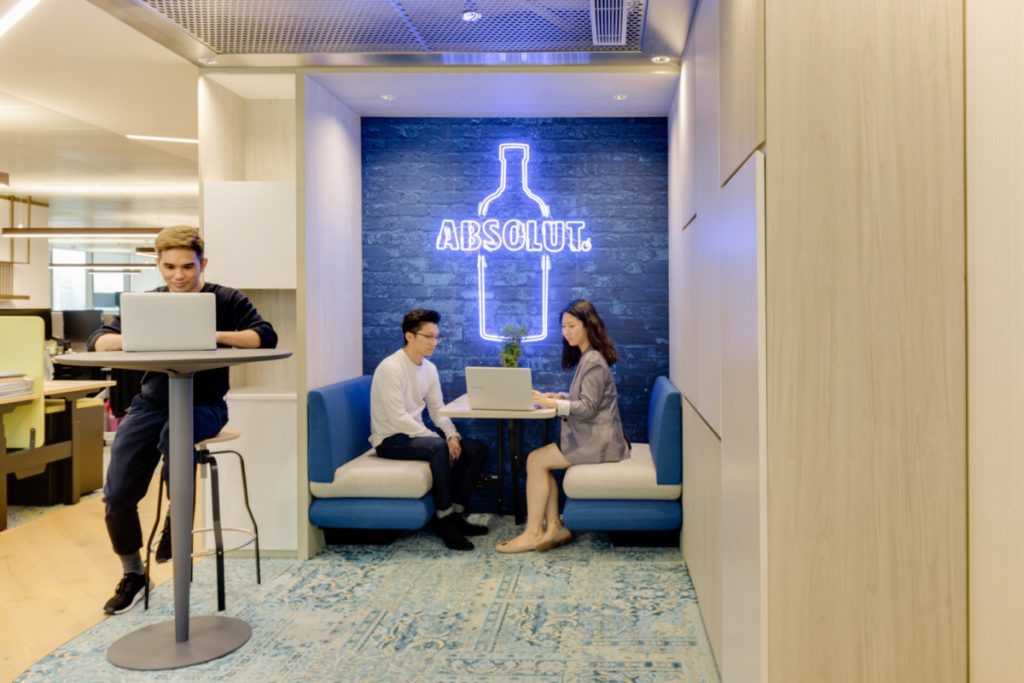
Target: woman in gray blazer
{"type": "Point", "coordinates": [591, 427]}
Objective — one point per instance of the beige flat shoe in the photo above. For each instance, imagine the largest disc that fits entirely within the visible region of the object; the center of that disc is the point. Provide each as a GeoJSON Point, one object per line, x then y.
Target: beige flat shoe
{"type": "Point", "coordinates": [510, 549]}
{"type": "Point", "coordinates": [545, 546]}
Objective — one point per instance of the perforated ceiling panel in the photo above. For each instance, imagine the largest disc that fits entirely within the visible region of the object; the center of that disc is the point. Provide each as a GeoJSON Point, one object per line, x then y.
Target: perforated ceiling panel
{"type": "Point", "coordinates": [345, 26]}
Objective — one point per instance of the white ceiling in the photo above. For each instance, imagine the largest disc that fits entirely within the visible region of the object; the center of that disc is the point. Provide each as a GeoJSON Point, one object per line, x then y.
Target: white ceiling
{"type": "Point", "coordinates": [83, 79]}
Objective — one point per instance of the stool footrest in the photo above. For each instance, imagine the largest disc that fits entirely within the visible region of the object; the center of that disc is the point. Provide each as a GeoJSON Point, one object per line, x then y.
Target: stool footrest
{"type": "Point", "coordinates": [213, 551]}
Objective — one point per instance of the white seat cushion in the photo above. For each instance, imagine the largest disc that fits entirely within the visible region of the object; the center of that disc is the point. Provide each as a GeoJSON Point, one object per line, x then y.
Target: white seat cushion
{"type": "Point", "coordinates": [630, 479]}
{"type": "Point", "coordinates": [371, 477]}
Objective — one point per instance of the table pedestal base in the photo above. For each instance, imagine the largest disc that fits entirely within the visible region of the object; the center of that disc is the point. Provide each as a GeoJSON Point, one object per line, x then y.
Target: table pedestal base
{"type": "Point", "coordinates": [154, 647]}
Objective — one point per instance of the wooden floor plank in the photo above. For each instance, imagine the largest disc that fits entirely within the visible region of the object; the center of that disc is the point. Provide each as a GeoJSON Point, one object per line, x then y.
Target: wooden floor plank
{"type": "Point", "coordinates": [55, 574]}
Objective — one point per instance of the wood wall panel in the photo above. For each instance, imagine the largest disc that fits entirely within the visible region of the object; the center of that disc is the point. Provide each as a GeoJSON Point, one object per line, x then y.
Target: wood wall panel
{"type": "Point", "coordinates": [743, 476]}
{"type": "Point", "coordinates": [706, 394]}
{"type": "Point", "coordinates": [682, 208]}
{"type": "Point", "coordinates": [270, 139]}
{"type": "Point", "coordinates": [675, 306]}
{"type": "Point", "coordinates": [684, 189]}
{"type": "Point", "coordinates": [277, 306]}
{"type": "Point", "coordinates": [332, 252]}
{"type": "Point", "coordinates": [995, 178]}
{"type": "Point", "coordinates": [330, 299]}
{"type": "Point", "coordinates": [702, 512]}
{"type": "Point", "coordinates": [866, 341]}
{"type": "Point", "coordinates": [686, 303]}
{"type": "Point", "coordinates": [221, 132]}
{"type": "Point", "coordinates": [741, 48]}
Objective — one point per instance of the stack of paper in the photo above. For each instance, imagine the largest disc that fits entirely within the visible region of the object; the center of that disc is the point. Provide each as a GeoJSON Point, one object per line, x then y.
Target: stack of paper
{"type": "Point", "coordinates": [14, 384]}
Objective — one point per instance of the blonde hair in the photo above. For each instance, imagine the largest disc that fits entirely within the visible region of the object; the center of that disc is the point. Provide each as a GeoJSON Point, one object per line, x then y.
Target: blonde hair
{"type": "Point", "coordinates": [179, 237]}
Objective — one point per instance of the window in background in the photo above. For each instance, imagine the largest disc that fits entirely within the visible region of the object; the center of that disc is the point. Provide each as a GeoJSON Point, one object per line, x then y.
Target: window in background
{"type": "Point", "coordinates": [69, 286]}
{"type": "Point", "coordinates": [106, 290]}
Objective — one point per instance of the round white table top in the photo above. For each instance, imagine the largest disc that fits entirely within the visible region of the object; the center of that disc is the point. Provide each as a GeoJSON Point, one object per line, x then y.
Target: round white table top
{"type": "Point", "coordinates": [171, 362]}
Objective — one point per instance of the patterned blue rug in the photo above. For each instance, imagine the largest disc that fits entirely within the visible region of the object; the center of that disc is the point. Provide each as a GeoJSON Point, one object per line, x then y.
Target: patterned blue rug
{"type": "Point", "coordinates": [414, 611]}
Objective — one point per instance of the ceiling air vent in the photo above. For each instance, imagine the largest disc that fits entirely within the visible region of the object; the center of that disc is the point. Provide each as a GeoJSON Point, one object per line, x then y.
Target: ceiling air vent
{"type": "Point", "coordinates": [608, 22]}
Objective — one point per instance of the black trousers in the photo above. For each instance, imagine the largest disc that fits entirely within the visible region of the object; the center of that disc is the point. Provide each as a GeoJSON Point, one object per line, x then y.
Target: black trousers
{"type": "Point", "coordinates": [141, 438]}
{"type": "Point", "coordinates": [453, 480]}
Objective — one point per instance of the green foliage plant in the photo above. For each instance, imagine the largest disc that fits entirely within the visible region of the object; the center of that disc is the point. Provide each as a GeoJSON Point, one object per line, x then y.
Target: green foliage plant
{"type": "Point", "coordinates": [511, 347]}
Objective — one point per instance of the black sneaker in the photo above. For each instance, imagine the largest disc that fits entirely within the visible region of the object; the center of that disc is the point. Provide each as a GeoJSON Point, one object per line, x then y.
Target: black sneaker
{"type": "Point", "coordinates": [163, 548]}
{"type": "Point", "coordinates": [128, 592]}
{"type": "Point", "coordinates": [448, 529]}
{"type": "Point", "coordinates": [467, 528]}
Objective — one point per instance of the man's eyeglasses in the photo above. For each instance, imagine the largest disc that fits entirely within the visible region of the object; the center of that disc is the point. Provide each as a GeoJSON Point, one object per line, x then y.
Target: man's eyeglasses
{"type": "Point", "coordinates": [430, 337]}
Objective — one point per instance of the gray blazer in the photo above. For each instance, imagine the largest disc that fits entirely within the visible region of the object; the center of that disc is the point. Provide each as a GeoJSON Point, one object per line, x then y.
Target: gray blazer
{"type": "Point", "coordinates": [592, 431]}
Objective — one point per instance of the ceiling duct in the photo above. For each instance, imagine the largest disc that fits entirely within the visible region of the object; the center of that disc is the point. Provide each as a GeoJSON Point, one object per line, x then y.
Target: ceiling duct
{"type": "Point", "coordinates": [608, 21]}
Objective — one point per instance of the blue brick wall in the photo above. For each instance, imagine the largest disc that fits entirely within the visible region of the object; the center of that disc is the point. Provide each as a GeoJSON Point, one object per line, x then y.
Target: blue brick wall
{"type": "Point", "coordinates": [611, 173]}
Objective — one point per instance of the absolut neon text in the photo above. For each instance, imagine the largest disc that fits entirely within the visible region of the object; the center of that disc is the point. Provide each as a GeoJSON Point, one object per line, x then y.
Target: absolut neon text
{"type": "Point", "coordinates": [512, 235]}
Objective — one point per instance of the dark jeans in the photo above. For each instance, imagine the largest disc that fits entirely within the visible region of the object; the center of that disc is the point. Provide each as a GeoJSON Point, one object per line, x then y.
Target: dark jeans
{"type": "Point", "coordinates": [453, 480]}
{"type": "Point", "coordinates": [141, 437]}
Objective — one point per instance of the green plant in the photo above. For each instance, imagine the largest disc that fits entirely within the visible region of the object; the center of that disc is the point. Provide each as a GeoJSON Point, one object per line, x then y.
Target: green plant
{"type": "Point", "coordinates": [511, 347]}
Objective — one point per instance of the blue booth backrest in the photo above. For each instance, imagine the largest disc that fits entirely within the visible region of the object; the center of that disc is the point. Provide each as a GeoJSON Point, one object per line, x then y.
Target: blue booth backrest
{"type": "Point", "coordinates": [339, 425]}
{"type": "Point", "coordinates": [665, 431]}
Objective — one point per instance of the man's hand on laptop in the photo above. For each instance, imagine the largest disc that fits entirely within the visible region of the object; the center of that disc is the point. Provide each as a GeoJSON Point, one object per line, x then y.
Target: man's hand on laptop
{"type": "Point", "coordinates": [242, 339]}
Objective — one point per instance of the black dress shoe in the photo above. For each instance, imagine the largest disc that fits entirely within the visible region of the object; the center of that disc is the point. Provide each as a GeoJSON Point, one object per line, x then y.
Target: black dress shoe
{"type": "Point", "coordinates": [467, 528]}
{"type": "Point", "coordinates": [448, 529]}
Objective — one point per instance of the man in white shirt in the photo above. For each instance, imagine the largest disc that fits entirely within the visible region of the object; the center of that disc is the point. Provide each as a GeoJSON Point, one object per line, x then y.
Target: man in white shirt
{"type": "Point", "coordinates": [403, 385]}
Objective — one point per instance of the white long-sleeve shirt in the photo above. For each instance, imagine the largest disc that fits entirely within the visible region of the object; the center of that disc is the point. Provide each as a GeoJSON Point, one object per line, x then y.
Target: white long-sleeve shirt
{"type": "Point", "coordinates": [399, 393]}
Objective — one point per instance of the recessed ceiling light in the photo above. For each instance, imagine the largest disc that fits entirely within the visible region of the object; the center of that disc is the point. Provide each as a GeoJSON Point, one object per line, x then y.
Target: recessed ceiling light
{"type": "Point", "coordinates": [387, 97]}
{"type": "Point", "coordinates": [661, 59]}
{"type": "Point", "coordinates": [471, 15]}
{"type": "Point", "coordinates": [157, 138]}
{"type": "Point", "coordinates": [621, 97]}
{"type": "Point", "coordinates": [207, 61]}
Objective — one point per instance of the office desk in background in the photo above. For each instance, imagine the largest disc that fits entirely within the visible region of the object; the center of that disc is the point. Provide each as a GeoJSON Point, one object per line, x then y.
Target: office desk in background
{"type": "Point", "coordinates": [460, 408]}
{"type": "Point", "coordinates": [32, 461]}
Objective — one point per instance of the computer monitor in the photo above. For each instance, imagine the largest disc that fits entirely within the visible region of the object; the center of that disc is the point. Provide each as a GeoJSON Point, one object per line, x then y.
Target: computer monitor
{"type": "Point", "coordinates": [79, 325]}
{"type": "Point", "coordinates": [43, 313]}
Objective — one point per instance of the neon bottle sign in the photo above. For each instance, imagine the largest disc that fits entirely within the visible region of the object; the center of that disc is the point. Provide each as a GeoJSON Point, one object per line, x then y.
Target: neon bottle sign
{"type": "Point", "coordinates": [513, 234]}
{"type": "Point", "coordinates": [488, 234]}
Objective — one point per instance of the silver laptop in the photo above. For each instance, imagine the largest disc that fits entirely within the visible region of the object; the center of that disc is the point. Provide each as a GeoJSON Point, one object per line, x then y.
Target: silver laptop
{"type": "Point", "coordinates": [499, 388]}
{"type": "Point", "coordinates": [166, 321]}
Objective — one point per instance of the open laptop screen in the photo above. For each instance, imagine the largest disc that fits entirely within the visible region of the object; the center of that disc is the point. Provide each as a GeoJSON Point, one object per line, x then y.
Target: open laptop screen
{"type": "Point", "coordinates": [166, 321]}
{"type": "Point", "coordinates": [491, 388]}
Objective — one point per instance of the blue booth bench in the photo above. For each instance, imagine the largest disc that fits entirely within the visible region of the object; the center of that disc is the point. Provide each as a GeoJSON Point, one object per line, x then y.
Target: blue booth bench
{"type": "Point", "coordinates": [641, 493]}
{"type": "Point", "coordinates": [352, 488]}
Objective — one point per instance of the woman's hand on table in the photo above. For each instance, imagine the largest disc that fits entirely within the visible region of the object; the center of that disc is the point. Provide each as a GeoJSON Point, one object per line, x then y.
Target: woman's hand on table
{"type": "Point", "coordinates": [546, 399]}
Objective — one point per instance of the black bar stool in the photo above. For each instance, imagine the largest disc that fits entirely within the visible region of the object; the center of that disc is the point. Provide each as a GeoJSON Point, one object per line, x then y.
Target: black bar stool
{"type": "Point", "coordinates": [207, 462]}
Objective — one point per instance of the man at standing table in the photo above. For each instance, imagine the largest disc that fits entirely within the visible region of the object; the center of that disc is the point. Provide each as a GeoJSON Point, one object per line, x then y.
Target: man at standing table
{"type": "Point", "coordinates": [142, 436]}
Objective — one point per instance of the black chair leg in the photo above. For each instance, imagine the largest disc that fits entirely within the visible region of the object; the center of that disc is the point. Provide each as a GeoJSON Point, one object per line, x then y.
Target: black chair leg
{"type": "Point", "coordinates": [248, 509]}
{"type": "Point", "coordinates": [218, 536]}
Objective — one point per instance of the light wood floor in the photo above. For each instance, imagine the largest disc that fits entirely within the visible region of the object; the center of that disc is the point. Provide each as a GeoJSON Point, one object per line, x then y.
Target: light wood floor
{"type": "Point", "coordinates": [55, 574]}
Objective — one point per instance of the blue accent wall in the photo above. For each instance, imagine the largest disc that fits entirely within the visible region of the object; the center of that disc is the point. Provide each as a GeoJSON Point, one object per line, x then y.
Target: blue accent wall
{"type": "Point", "coordinates": [612, 173]}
